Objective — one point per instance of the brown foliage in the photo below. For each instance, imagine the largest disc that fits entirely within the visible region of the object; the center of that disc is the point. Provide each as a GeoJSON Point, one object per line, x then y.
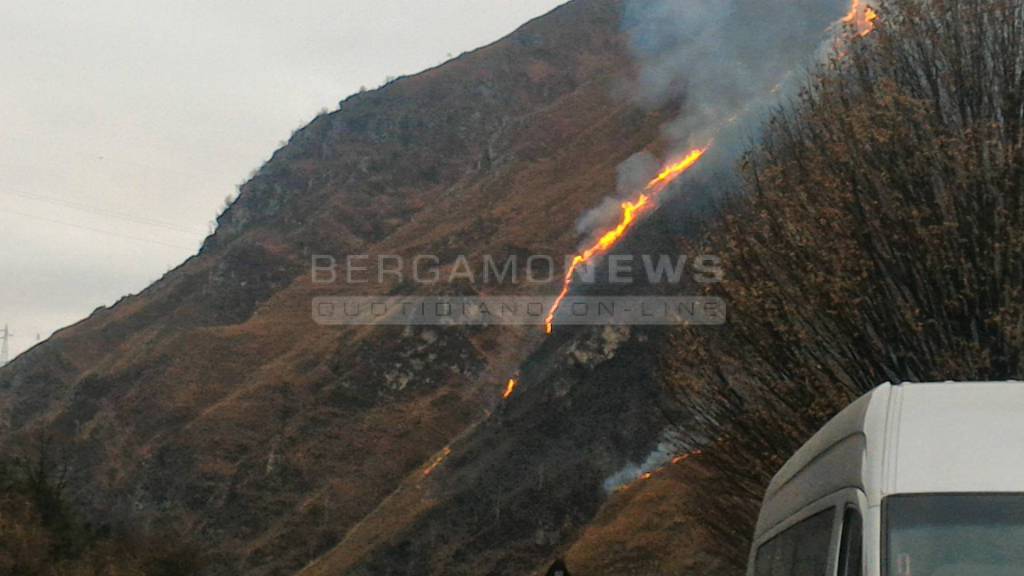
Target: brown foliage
{"type": "Point", "coordinates": [880, 238]}
{"type": "Point", "coordinates": [41, 535]}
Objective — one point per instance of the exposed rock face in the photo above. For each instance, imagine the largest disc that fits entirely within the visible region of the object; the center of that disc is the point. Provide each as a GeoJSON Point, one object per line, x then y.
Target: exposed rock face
{"type": "Point", "coordinates": [213, 403]}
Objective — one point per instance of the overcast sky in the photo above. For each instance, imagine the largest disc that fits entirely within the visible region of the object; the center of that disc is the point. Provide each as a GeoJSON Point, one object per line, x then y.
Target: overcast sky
{"type": "Point", "coordinates": [125, 123]}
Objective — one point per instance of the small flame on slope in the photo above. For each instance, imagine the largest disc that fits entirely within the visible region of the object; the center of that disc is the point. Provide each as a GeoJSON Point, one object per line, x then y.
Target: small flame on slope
{"type": "Point", "coordinates": [509, 388]}
{"type": "Point", "coordinates": [631, 211]}
{"type": "Point", "coordinates": [687, 456]}
{"type": "Point", "coordinates": [648, 475]}
{"type": "Point", "coordinates": [437, 461]}
{"type": "Point", "coordinates": [862, 17]}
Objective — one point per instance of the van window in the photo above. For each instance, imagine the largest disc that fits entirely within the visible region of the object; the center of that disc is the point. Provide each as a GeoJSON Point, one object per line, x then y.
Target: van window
{"type": "Point", "coordinates": [954, 534]}
{"type": "Point", "coordinates": [851, 546]}
{"type": "Point", "coordinates": [801, 550]}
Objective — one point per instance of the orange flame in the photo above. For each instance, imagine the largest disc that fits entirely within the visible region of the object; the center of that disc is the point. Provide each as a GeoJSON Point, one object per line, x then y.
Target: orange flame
{"type": "Point", "coordinates": [630, 212]}
{"type": "Point", "coordinates": [862, 17]}
{"type": "Point", "coordinates": [509, 388]}
{"type": "Point", "coordinates": [649, 475]}
{"type": "Point", "coordinates": [687, 456]}
{"type": "Point", "coordinates": [673, 171]}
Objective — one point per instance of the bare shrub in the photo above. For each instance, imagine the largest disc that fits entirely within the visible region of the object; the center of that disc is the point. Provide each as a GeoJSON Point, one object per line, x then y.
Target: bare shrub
{"type": "Point", "coordinates": [881, 236]}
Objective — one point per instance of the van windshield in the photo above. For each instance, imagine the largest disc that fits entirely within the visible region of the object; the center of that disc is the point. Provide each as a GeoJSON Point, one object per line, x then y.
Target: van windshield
{"type": "Point", "coordinates": [955, 535]}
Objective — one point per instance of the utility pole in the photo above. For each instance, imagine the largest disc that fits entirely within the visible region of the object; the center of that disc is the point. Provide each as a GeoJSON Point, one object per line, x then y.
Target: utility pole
{"type": "Point", "coordinates": [4, 354]}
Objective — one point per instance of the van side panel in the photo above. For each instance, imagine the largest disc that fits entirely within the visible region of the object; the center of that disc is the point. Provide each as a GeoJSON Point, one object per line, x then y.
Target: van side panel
{"type": "Point", "coordinates": [960, 438]}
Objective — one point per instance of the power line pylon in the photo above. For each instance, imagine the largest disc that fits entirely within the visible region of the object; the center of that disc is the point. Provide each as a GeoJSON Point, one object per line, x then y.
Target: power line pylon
{"type": "Point", "coordinates": [4, 337]}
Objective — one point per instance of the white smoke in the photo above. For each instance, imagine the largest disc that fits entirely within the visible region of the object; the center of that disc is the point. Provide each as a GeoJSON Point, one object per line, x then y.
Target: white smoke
{"type": "Point", "coordinates": [726, 61]}
{"type": "Point", "coordinates": [670, 446]}
{"type": "Point", "coordinates": [633, 175]}
{"type": "Point", "coordinates": [635, 172]}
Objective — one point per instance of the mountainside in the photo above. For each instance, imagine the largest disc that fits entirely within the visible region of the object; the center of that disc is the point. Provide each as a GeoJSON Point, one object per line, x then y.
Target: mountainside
{"type": "Point", "coordinates": [527, 482]}
{"type": "Point", "coordinates": [879, 238]}
{"type": "Point", "coordinates": [213, 405]}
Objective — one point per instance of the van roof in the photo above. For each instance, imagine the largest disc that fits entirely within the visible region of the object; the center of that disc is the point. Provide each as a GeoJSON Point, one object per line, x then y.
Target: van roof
{"type": "Point", "coordinates": [908, 438]}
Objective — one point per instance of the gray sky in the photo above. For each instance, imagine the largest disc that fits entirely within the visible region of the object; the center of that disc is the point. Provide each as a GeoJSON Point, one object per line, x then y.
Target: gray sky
{"type": "Point", "coordinates": [125, 123]}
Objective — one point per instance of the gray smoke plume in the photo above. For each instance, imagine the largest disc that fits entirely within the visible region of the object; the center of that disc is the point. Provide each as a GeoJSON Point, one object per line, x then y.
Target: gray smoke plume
{"type": "Point", "coordinates": [726, 61]}
{"type": "Point", "coordinates": [633, 175]}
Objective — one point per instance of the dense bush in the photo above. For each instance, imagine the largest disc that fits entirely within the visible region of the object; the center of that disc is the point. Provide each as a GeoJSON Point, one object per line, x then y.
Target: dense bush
{"type": "Point", "coordinates": [40, 534]}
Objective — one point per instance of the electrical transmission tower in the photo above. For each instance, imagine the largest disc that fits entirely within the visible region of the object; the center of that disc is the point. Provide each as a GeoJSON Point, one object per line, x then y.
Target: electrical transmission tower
{"type": "Point", "coordinates": [4, 337]}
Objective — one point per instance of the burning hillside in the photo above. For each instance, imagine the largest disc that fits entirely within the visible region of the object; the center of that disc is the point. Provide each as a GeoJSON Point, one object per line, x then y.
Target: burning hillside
{"type": "Point", "coordinates": [212, 404]}
{"type": "Point", "coordinates": [873, 236]}
{"type": "Point", "coordinates": [810, 198]}
{"type": "Point", "coordinates": [774, 59]}
{"type": "Point", "coordinates": [632, 211]}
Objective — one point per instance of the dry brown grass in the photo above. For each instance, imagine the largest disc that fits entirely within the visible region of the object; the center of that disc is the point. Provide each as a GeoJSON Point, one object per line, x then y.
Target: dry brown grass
{"type": "Point", "coordinates": [656, 527]}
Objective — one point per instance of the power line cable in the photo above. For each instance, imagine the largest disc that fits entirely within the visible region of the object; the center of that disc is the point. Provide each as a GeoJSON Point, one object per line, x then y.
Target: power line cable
{"type": "Point", "coordinates": [95, 230]}
{"type": "Point", "coordinates": [106, 212]}
{"type": "Point", "coordinates": [110, 159]}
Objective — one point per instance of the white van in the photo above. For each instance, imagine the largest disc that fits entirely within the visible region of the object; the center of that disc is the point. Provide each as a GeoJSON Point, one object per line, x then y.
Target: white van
{"type": "Point", "coordinates": [910, 480]}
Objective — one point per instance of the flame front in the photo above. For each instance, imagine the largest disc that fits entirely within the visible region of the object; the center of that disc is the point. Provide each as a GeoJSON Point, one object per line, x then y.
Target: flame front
{"type": "Point", "coordinates": [630, 212]}
{"type": "Point", "coordinates": [509, 388]}
{"type": "Point", "coordinates": [862, 17]}
{"type": "Point", "coordinates": [673, 171]}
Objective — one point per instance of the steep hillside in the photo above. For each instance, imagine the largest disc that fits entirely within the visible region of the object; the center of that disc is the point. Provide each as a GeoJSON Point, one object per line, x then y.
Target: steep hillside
{"type": "Point", "coordinates": [660, 526]}
{"type": "Point", "coordinates": [882, 241]}
{"type": "Point", "coordinates": [525, 483]}
{"type": "Point", "coordinates": [212, 404]}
